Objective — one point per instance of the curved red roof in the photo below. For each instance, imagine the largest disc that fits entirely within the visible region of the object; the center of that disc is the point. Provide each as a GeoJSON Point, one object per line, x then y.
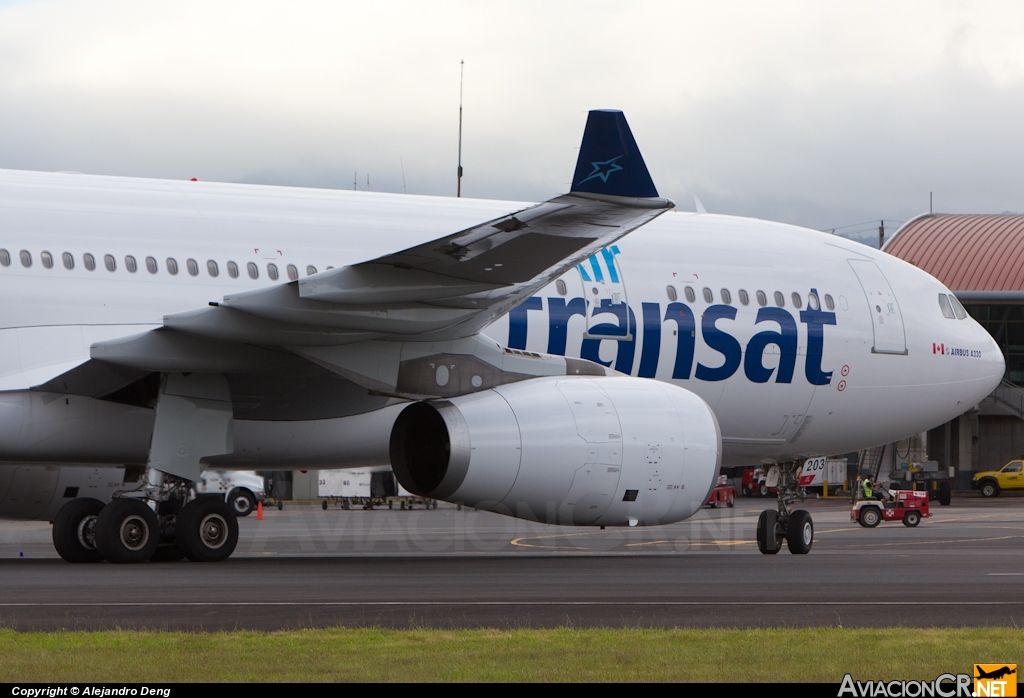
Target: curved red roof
{"type": "Point", "coordinates": [965, 252]}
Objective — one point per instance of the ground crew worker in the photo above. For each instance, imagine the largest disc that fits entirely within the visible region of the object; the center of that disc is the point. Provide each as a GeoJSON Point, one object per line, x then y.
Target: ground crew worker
{"type": "Point", "coordinates": [866, 488]}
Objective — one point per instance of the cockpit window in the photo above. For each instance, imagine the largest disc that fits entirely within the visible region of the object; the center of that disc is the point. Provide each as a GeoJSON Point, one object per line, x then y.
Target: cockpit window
{"type": "Point", "coordinates": [945, 307]}
{"type": "Point", "coordinates": [958, 308]}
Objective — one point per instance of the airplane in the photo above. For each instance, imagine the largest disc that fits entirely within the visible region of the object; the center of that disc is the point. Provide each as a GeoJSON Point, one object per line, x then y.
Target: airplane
{"type": "Point", "coordinates": [591, 360]}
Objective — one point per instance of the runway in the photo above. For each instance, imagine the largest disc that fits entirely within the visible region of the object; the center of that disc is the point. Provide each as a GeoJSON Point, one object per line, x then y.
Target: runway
{"type": "Point", "coordinates": [304, 567]}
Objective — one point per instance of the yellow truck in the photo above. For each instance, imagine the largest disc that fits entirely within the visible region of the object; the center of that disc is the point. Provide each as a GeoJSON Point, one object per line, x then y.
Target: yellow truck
{"type": "Point", "coordinates": [991, 482]}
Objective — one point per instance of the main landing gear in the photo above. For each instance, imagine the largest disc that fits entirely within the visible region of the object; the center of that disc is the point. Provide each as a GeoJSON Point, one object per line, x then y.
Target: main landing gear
{"type": "Point", "coordinates": [793, 526]}
{"type": "Point", "coordinates": [156, 522]}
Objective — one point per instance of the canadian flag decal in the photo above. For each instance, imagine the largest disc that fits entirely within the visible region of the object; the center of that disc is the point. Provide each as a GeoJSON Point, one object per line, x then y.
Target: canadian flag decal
{"type": "Point", "coordinates": [938, 348]}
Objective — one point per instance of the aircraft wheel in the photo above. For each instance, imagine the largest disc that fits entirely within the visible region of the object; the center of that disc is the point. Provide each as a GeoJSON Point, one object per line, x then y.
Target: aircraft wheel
{"type": "Point", "coordinates": [207, 530]}
{"type": "Point", "coordinates": [769, 537]}
{"type": "Point", "coordinates": [127, 530]}
{"type": "Point", "coordinates": [800, 532]}
{"type": "Point", "coordinates": [74, 530]}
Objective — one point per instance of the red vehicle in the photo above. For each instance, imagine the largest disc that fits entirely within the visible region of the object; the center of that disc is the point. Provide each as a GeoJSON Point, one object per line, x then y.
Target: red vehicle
{"type": "Point", "coordinates": [722, 494]}
{"type": "Point", "coordinates": [753, 483]}
{"type": "Point", "coordinates": [906, 506]}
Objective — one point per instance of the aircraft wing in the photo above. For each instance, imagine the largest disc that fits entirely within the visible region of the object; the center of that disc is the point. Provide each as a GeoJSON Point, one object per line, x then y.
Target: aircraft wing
{"type": "Point", "coordinates": [452, 287]}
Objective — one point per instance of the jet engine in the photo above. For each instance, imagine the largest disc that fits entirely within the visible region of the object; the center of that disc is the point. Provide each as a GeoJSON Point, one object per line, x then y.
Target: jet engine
{"type": "Point", "coordinates": [585, 451]}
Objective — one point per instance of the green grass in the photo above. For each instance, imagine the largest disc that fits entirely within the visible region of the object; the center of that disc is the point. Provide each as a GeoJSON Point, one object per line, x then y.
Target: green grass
{"type": "Point", "coordinates": [564, 654]}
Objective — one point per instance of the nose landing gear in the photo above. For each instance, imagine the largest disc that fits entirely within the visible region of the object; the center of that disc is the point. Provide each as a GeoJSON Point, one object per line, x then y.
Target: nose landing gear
{"type": "Point", "coordinates": [793, 526]}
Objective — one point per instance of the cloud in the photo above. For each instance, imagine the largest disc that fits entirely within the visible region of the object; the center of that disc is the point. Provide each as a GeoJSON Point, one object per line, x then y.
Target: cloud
{"type": "Point", "coordinates": [818, 114]}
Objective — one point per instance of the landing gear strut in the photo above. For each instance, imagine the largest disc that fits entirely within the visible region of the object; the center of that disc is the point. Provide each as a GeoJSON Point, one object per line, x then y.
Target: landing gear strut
{"type": "Point", "coordinates": [793, 526]}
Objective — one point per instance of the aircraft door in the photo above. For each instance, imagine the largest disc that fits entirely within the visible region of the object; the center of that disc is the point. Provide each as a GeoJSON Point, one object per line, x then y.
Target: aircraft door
{"type": "Point", "coordinates": [886, 318]}
{"type": "Point", "coordinates": [605, 291]}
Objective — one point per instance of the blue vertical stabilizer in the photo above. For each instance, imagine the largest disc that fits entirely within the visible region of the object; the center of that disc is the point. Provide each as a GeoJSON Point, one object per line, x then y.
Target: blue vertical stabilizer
{"type": "Point", "coordinates": [609, 162]}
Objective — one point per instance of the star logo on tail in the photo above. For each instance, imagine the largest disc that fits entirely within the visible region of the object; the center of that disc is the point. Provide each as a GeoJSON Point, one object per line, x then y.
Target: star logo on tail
{"type": "Point", "coordinates": [602, 170]}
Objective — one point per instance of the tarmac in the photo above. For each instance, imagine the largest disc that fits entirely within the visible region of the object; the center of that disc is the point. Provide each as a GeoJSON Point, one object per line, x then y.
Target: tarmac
{"type": "Point", "coordinates": [305, 567]}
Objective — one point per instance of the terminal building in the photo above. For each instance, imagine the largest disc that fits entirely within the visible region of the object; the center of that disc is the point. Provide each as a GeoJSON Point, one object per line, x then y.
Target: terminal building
{"type": "Point", "coordinates": [981, 259]}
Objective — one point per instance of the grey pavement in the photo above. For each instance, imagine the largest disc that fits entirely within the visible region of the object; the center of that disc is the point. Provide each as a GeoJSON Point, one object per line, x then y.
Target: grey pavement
{"type": "Point", "coordinates": [305, 567]}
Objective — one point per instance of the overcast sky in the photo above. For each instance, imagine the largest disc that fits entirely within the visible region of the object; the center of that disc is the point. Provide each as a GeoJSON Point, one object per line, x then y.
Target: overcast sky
{"type": "Point", "coordinates": [820, 114]}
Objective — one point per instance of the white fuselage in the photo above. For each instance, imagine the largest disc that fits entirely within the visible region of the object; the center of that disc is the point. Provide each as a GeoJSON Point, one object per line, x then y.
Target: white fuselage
{"type": "Point", "coordinates": [873, 373]}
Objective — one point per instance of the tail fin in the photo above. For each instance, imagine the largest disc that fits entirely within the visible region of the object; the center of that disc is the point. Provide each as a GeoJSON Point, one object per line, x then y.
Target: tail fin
{"type": "Point", "coordinates": [610, 162]}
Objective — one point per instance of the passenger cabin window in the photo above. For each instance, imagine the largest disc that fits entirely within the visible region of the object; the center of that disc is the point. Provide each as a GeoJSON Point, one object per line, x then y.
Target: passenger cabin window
{"type": "Point", "coordinates": [726, 296]}
{"type": "Point", "coordinates": [780, 300]}
{"type": "Point", "coordinates": [310, 270]}
{"type": "Point", "coordinates": [130, 264]}
{"type": "Point", "coordinates": [26, 258]}
{"type": "Point", "coordinates": [211, 268]}
{"type": "Point", "coordinates": [109, 262]}
{"type": "Point", "coordinates": [690, 295]}
{"type": "Point", "coordinates": [812, 301]}
{"type": "Point", "coordinates": [192, 266]}
{"type": "Point", "coordinates": [744, 297]}
{"type": "Point", "coordinates": [672, 294]}
{"type": "Point", "coordinates": [293, 274]}
{"type": "Point", "coordinates": [958, 308]}
{"type": "Point", "coordinates": [151, 266]}
{"type": "Point", "coordinates": [89, 262]}
{"type": "Point", "coordinates": [829, 303]}
{"type": "Point", "coordinates": [709, 297]}
{"type": "Point", "coordinates": [945, 307]}
{"type": "Point", "coordinates": [797, 301]}
{"type": "Point", "coordinates": [5, 258]}
{"type": "Point", "coordinates": [254, 271]}
{"type": "Point", "coordinates": [762, 300]}
{"type": "Point", "coordinates": [272, 271]}
{"type": "Point", "coordinates": [232, 270]}
{"type": "Point", "coordinates": [172, 266]}
{"type": "Point", "coordinates": [68, 259]}
{"type": "Point", "coordinates": [47, 259]}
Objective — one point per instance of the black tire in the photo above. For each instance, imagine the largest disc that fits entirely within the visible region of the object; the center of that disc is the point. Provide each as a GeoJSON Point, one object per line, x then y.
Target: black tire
{"type": "Point", "coordinates": [729, 504]}
{"type": "Point", "coordinates": [763, 490]}
{"type": "Point", "coordinates": [912, 518]}
{"type": "Point", "coordinates": [127, 530]}
{"type": "Point", "coordinates": [870, 517]}
{"type": "Point", "coordinates": [207, 530]}
{"type": "Point", "coordinates": [800, 532]}
{"type": "Point", "coordinates": [168, 553]}
{"type": "Point", "coordinates": [242, 501]}
{"type": "Point", "coordinates": [280, 505]}
{"type": "Point", "coordinates": [324, 505]}
{"type": "Point", "coordinates": [768, 519]}
{"type": "Point", "coordinates": [945, 493]}
{"type": "Point", "coordinates": [74, 530]}
{"type": "Point", "coordinates": [989, 489]}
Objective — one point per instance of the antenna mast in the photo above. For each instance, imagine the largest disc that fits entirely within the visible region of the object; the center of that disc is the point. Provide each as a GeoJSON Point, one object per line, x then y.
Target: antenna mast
{"type": "Point", "coordinates": [458, 186]}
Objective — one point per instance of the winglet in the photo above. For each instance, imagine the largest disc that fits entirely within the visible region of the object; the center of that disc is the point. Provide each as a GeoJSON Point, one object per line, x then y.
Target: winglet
{"type": "Point", "coordinates": [610, 162]}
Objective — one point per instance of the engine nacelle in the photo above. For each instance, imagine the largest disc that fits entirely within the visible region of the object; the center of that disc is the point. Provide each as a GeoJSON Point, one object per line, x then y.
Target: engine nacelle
{"type": "Point", "coordinates": [585, 451]}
